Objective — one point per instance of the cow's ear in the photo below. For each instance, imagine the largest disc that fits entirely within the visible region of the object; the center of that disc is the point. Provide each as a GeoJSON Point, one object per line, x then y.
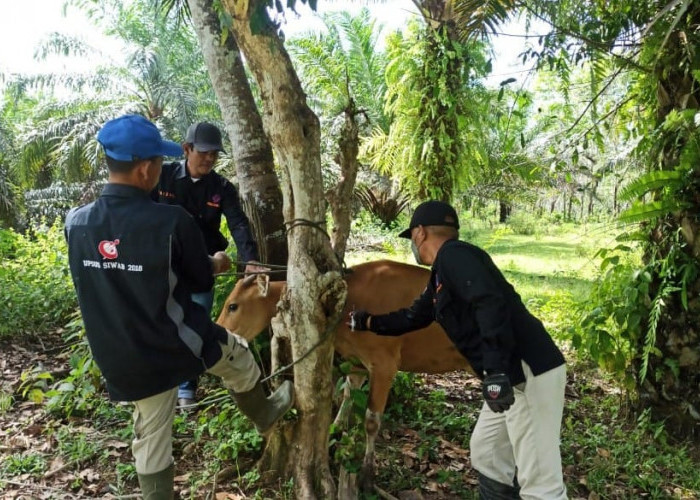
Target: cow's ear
{"type": "Point", "coordinates": [248, 280]}
{"type": "Point", "coordinates": [263, 281]}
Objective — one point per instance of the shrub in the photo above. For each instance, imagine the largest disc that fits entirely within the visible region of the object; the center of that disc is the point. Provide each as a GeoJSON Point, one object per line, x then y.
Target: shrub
{"type": "Point", "coordinates": [35, 285]}
{"type": "Point", "coordinates": [523, 224]}
{"type": "Point", "coordinates": [382, 205]}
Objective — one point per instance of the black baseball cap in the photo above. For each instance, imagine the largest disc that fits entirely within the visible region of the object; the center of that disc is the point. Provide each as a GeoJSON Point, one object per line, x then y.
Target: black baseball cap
{"type": "Point", "coordinates": [205, 137]}
{"type": "Point", "coordinates": [432, 213]}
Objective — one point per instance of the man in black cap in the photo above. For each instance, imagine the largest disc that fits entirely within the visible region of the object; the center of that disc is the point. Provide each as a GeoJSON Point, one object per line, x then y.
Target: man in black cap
{"type": "Point", "coordinates": [523, 371]}
{"type": "Point", "coordinates": [207, 196]}
{"type": "Point", "coordinates": [135, 264]}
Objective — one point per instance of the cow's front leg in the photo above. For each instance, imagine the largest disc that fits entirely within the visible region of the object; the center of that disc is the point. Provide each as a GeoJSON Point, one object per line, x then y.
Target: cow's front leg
{"type": "Point", "coordinates": [380, 380]}
{"type": "Point", "coordinates": [373, 421]}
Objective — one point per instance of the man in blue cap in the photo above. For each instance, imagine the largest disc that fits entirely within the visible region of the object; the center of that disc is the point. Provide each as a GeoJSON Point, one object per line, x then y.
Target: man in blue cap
{"type": "Point", "coordinates": [194, 185]}
{"type": "Point", "coordinates": [135, 264]}
{"type": "Point", "coordinates": [523, 371]}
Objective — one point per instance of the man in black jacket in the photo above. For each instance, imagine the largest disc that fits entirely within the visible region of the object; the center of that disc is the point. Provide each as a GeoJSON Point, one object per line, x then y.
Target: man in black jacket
{"type": "Point", "coordinates": [206, 196]}
{"type": "Point", "coordinates": [135, 264]}
{"type": "Point", "coordinates": [523, 371]}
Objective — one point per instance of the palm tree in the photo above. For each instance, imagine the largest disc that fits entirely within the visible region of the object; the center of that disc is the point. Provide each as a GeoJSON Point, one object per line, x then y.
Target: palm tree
{"type": "Point", "coordinates": [435, 103]}
{"type": "Point", "coordinates": [343, 73]}
{"type": "Point", "coordinates": [156, 80]}
{"type": "Point", "coordinates": [8, 207]}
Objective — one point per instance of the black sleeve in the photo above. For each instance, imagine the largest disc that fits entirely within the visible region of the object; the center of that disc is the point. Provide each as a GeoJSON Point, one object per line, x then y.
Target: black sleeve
{"type": "Point", "coordinates": [238, 224]}
{"type": "Point", "coordinates": [191, 254]}
{"type": "Point", "coordinates": [473, 281]}
{"type": "Point", "coordinates": [419, 315]}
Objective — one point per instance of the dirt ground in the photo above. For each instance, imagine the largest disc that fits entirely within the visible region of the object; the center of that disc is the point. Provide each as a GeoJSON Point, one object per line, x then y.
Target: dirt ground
{"type": "Point", "coordinates": [24, 426]}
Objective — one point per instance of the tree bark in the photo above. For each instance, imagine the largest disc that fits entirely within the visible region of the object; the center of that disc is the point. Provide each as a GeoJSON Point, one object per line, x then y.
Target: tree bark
{"type": "Point", "coordinates": [310, 309]}
{"type": "Point", "coordinates": [340, 197]}
{"type": "Point", "coordinates": [259, 186]}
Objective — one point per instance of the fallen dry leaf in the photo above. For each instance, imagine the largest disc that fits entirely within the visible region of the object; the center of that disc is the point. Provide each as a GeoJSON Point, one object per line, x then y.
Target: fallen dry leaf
{"type": "Point", "coordinates": [89, 475]}
{"type": "Point", "coordinates": [117, 444]}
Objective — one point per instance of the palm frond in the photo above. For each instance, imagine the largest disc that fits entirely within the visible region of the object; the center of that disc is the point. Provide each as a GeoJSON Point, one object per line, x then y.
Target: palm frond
{"type": "Point", "coordinates": [382, 204]}
{"type": "Point", "coordinates": [480, 17]}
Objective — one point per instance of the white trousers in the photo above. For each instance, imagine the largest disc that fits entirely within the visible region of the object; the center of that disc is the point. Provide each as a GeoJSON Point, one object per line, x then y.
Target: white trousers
{"type": "Point", "coordinates": [526, 436]}
{"type": "Point", "coordinates": [152, 446]}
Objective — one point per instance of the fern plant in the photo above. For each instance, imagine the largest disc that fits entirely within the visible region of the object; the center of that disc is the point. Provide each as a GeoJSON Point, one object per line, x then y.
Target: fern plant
{"type": "Point", "coordinates": [665, 183]}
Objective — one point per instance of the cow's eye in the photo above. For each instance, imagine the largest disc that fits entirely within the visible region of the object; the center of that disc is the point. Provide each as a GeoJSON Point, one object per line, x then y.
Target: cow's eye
{"type": "Point", "coordinates": [232, 307]}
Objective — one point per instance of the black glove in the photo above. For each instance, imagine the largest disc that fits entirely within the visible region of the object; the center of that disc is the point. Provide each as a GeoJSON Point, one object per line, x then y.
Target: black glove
{"type": "Point", "coordinates": [497, 392]}
{"type": "Point", "coordinates": [358, 320]}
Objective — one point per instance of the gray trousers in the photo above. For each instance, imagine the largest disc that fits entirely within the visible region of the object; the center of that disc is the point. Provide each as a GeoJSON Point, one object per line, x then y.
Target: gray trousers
{"type": "Point", "coordinates": [526, 436]}
{"type": "Point", "coordinates": [152, 446]}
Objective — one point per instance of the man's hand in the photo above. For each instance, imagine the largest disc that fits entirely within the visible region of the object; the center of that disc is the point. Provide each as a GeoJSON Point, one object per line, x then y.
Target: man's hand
{"type": "Point", "coordinates": [220, 262]}
{"type": "Point", "coordinates": [497, 392]}
{"type": "Point", "coordinates": [358, 320]}
{"type": "Point", "coordinates": [255, 267]}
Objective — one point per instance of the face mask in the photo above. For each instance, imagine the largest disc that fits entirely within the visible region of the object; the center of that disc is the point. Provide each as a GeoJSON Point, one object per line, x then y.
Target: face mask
{"type": "Point", "coordinates": [416, 253]}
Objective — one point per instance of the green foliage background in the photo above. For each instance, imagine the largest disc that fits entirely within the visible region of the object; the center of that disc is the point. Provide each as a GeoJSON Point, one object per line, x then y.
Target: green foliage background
{"type": "Point", "coordinates": [36, 291]}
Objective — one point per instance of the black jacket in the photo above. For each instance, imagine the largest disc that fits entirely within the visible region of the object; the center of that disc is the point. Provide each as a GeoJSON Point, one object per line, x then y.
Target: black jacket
{"type": "Point", "coordinates": [481, 313]}
{"type": "Point", "coordinates": [206, 200]}
{"type": "Point", "coordinates": [135, 264]}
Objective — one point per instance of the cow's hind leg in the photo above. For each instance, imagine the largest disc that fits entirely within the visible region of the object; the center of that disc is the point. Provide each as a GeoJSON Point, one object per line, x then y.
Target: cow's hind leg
{"type": "Point", "coordinates": [379, 385]}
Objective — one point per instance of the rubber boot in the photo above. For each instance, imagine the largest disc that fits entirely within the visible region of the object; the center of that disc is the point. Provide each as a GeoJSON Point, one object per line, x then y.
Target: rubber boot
{"type": "Point", "coordinates": [493, 490]}
{"type": "Point", "coordinates": [158, 486]}
{"type": "Point", "coordinates": [262, 410]}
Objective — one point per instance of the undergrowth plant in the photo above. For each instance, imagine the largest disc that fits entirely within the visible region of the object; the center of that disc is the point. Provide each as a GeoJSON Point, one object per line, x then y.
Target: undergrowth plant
{"type": "Point", "coordinates": [617, 458]}
{"type": "Point", "coordinates": [618, 323]}
{"type": "Point", "coordinates": [79, 392]}
{"type": "Point", "coordinates": [35, 286]}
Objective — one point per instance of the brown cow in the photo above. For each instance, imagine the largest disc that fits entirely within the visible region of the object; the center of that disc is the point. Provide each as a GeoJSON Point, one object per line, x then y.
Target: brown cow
{"type": "Point", "coordinates": [377, 287]}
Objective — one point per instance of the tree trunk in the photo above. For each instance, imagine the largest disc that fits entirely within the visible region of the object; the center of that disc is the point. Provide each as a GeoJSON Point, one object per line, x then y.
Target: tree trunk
{"type": "Point", "coordinates": [440, 117]}
{"type": "Point", "coordinates": [259, 187]}
{"type": "Point", "coordinates": [311, 306]}
{"type": "Point", "coordinates": [673, 396]}
{"type": "Point", "coordinates": [340, 196]}
{"type": "Point", "coordinates": [504, 209]}
{"type": "Point", "coordinates": [591, 197]}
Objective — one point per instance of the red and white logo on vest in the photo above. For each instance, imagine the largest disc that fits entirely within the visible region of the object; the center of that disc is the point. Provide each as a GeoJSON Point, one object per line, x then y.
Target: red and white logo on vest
{"type": "Point", "coordinates": [494, 390]}
{"type": "Point", "coordinates": [108, 249]}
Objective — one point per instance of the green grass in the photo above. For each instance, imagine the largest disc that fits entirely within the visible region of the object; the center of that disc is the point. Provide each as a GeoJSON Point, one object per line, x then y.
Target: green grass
{"type": "Point", "coordinates": [550, 271]}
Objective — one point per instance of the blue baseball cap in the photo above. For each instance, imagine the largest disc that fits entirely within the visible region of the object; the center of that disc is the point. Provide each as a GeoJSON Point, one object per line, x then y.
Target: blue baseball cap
{"type": "Point", "coordinates": [133, 137]}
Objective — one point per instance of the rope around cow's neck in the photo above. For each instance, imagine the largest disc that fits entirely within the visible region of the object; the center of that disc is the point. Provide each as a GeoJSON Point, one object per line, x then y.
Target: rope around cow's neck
{"type": "Point", "coordinates": [277, 268]}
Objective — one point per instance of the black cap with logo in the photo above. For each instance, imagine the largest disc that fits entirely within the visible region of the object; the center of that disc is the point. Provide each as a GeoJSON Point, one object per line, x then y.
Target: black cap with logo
{"type": "Point", "coordinates": [432, 213]}
{"type": "Point", "coordinates": [205, 137]}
